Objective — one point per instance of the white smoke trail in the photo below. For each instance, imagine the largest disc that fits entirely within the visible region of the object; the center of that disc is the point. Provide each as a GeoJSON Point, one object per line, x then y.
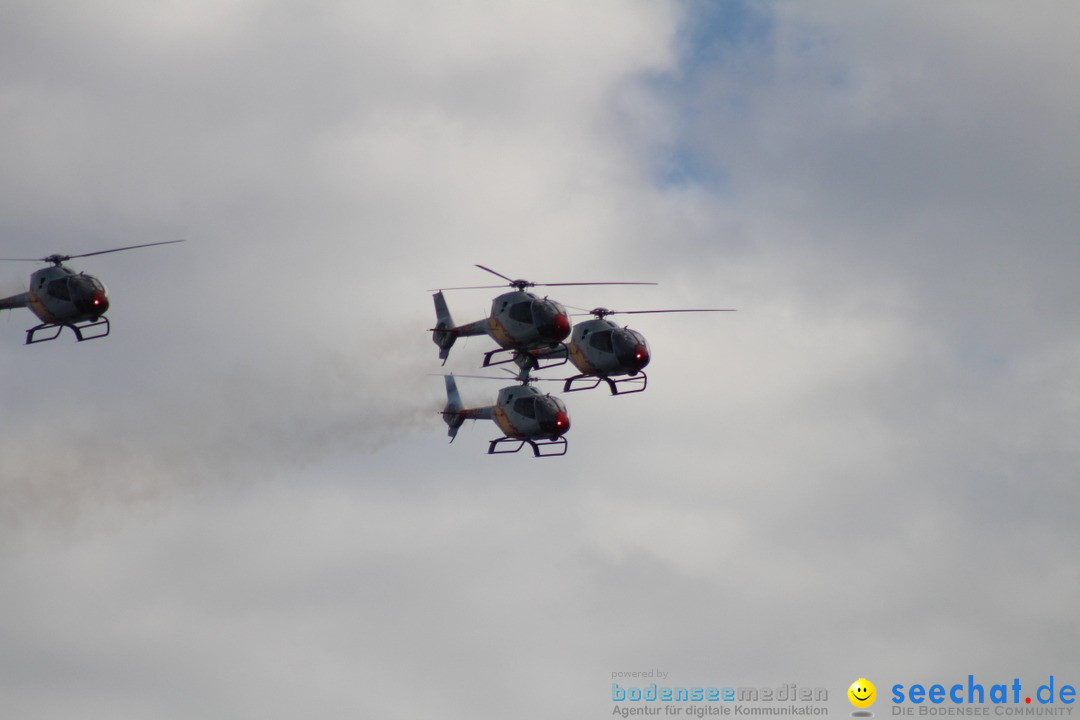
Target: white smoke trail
{"type": "Point", "coordinates": [239, 424]}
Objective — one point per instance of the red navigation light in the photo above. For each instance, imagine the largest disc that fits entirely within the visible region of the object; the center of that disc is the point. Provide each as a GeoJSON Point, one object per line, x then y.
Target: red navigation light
{"type": "Point", "coordinates": [641, 356]}
{"type": "Point", "coordinates": [562, 324]}
{"type": "Point", "coordinates": [562, 422]}
{"type": "Point", "coordinates": [99, 301]}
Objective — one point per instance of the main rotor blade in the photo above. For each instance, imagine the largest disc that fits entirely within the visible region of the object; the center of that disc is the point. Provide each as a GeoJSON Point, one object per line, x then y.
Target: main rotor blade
{"type": "Point", "coordinates": [65, 258]}
{"type": "Point", "coordinates": [512, 281]}
{"type": "Point", "coordinates": [494, 273]}
{"type": "Point", "coordinates": [478, 377]}
{"type": "Point", "coordinates": [594, 283]}
{"type": "Point", "coordinates": [470, 287]}
{"type": "Point", "coordinates": [604, 312]}
{"type": "Point", "coordinates": [643, 312]}
{"type": "Point", "coordinates": [510, 377]}
{"type": "Point", "coordinates": [129, 247]}
{"type": "Point", "coordinates": [522, 284]}
{"type": "Point", "coordinates": [532, 284]}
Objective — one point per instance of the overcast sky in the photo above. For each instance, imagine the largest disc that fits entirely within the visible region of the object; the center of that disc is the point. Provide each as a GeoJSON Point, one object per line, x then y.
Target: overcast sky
{"type": "Point", "coordinates": [242, 504]}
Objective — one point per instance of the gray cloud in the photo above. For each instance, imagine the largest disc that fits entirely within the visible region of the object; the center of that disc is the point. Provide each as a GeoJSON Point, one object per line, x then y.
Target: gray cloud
{"type": "Point", "coordinates": [242, 503]}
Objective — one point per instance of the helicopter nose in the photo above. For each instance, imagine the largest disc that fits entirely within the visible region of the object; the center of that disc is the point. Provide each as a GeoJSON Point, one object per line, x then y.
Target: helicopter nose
{"type": "Point", "coordinates": [99, 302]}
{"type": "Point", "coordinates": [562, 325]}
{"type": "Point", "coordinates": [562, 422]}
{"type": "Point", "coordinates": [552, 322]}
{"type": "Point", "coordinates": [552, 417]}
{"type": "Point", "coordinates": [641, 356]}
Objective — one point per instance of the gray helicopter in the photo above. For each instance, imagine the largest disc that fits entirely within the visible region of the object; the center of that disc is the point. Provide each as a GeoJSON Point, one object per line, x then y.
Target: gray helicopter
{"type": "Point", "coordinates": [525, 416]}
{"type": "Point", "coordinates": [61, 298]}
{"type": "Point", "coordinates": [519, 321]}
{"type": "Point", "coordinates": [601, 350]}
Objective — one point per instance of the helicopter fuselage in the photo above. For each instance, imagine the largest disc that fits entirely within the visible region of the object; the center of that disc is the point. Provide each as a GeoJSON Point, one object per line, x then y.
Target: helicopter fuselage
{"type": "Point", "coordinates": [523, 412]}
{"type": "Point", "coordinates": [63, 298]}
{"type": "Point", "coordinates": [60, 296]}
{"type": "Point", "coordinates": [602, 348]}
{"type": "Point", "coordinates": [519, 321]}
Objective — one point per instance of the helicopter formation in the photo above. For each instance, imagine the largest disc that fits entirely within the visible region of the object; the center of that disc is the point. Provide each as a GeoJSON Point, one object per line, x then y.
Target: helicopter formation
{"type": "Point", "coordinates": [62, 298]}
{"type": "Point", "coordinates": [532, 333]}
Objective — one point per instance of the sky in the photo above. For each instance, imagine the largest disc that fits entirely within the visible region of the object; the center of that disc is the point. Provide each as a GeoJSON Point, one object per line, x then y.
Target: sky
{"type": "Point", "coordinates": [242, 503]}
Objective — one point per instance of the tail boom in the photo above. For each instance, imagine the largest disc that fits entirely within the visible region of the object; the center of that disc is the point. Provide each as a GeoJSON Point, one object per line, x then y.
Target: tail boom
{"type": "Point", "coordinates": [455, 413]}
{"type": "Point", "coordinates": [445, 333]}
{"type": "Point", "coordinates": [15, 301]}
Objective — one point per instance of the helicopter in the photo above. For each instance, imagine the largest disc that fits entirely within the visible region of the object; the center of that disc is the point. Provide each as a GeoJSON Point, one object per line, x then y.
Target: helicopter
{"type": "Point", "coordinates": [603, 351]}
{"type": "Point", "coordinates": [525, 415]}
{"type": "Point", "coordinates": [519, 321]}
{"type": "Point", "coordinates": [61, 298]}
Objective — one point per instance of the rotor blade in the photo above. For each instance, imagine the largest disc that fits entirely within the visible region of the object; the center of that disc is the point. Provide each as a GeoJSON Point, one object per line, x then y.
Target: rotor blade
{"type": "Point", "coordinates": [495, 273]}
{"type": "Point", "coordinates": [129, 247]}
{"type": "Point", "coordinates": [499, 287]}
{"type": "Point", "coordinates": [642, 312]}
{"type": "Point", "coordinates": [605, 312]}
{"type": "Point", "coordinates": [65, 258]}
{"type": "Point", "coordinates": [511, 377]}
{"type": "Point", "coordinates": [594, 283]}
{"type": "Point", "coordinates": [470, 287]}
{"type": "Point", "coordinates": [474, 377]}
{"type": "Point", "coordinates": [522, 284]}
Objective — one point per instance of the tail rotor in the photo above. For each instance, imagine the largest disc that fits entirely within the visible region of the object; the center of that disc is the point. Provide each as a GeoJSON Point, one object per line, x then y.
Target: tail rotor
{"type": "Point", "coordinates": [454, 412]}
{"type": "Point", "coordinates": [441, 335]}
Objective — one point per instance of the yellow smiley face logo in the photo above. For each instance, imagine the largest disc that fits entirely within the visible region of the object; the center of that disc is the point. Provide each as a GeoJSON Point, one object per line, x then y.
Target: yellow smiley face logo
{"type": "Point", "coordinates": [862, 693]}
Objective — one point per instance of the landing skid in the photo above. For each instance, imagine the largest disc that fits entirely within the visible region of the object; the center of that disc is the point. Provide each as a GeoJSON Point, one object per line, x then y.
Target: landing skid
{"type": "Point", "coordinates": [540, 448]}
{"type": "Point", "coordinates": [527, 359]}
{"type": "Point", "coordinates": [57, 328]}
{"type": "Point", "coordinates": [625, 386]}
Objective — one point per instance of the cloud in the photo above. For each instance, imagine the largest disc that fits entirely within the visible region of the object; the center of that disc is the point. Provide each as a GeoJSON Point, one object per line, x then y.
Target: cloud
{"type": "Point", "coordinates": [242, 502]}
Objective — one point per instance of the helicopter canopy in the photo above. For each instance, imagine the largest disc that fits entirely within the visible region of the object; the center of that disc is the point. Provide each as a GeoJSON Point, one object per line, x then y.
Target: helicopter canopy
{"type": "Point", "coordinates": [86, 292]}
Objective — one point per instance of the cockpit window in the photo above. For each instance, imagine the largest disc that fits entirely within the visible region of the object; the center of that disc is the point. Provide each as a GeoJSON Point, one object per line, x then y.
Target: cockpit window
{"type": "Point", "coordinates": [625, 342]}
{"type": "Point", "coordinates": [525, 406]}
{"type": "Point", "coordinates": [601, 340]}
{"type": "Point", "coordinates": [522, 312]}
{"type": "Point", "coordinates": [59, 289]}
